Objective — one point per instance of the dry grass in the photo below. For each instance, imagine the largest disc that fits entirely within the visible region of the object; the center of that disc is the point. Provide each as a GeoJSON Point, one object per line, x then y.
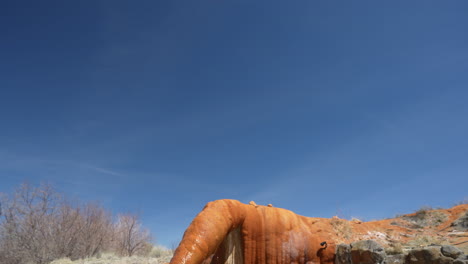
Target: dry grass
{"type": "Point", "coordinates": [158, 255]}
{"type": "Point", "coordinates": [342, 228]}
{"type": "Point", "coordinates": [425, 240]}
{"type": "Point", "coordinates": [394, 249]}
{"type": "Point", "coordinates": [426, 216]}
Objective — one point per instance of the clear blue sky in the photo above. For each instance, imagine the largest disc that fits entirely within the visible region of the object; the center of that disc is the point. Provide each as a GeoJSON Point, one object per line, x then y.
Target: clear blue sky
{"type": "Point", "coordinates": [349, 108]}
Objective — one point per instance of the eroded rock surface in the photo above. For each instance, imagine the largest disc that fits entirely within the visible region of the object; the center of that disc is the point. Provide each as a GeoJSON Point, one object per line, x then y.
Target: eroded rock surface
{"type": "Point", "coordinates": [343, 254]}
{"type": "Point", "coordinates": [227, 231]}
{"type": "Point", "coordinates": [367, 252]}
{"type": "Point", "coordinates": [451, 251]}
{"type": "Point", "coordinates": [461, 223]}
{"type": "Point", "coordinates": [230, 232]}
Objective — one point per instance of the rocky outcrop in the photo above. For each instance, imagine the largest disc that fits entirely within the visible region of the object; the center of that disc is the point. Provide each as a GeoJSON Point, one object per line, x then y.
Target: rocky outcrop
{"type": "Point", "coordinates": [343, 254]}
{"type": "Point", "coordinates": [429, 255]}
{"type": "Point", "coordinates": [227, 231]}
{"type": "Point", "coordinates": [370, 252]}
{"type": "Point", "coordinates": [451, 251]}
{"type": "Point", "coordinates": [230, 232]}
{"type": "Point", "coordinates": [461, 223]}
{"type": "Point", "coordinates": [360, 252]}
{"type": "Point", "coordinates": [395, 259]}
{"type": "Point", "coordinates": [367, 252]}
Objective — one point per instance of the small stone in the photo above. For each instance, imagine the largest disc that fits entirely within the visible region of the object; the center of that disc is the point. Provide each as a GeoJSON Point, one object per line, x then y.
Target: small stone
{"type": "Point", "coordinates": [451, 251]}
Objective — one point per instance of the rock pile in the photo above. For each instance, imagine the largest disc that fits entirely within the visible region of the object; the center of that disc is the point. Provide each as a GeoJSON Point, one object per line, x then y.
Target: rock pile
{"type": "Point", "coordinates": [370, 252]}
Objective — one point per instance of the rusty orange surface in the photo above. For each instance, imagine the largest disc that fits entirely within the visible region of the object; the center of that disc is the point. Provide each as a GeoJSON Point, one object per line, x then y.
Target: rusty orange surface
{"type": "Point", "coordinates": [228, 231]}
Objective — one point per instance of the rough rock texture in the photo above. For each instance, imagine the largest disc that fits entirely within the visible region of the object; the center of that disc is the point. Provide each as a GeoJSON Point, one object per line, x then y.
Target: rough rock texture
{"type": "Point", "coordinates": [343, 254]}
{"type": "Point", "coordinates": [367, 252]}
{"type": "Point", "coordinates": [429, 255]}
{"type": "Point", "coordinates": [461, 223]}
{"type": "Point", "coordinates": [462, 259]}
{"type": "Point", "coordinates": [227, 231]}
{"type": "Point", "coordinates": [451, 251]}
{"type": "Point", "coordinates": [396, 259]}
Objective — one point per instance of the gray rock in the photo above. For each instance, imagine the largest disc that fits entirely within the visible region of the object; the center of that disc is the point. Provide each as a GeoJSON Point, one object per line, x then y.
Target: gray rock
{"type": "Point", "coordinates": [396, 259]}
{"type": "Point", "coordinates": [428, 255]}
{"type": "Point", "coordinates": [343, 254]}
{"type": "Point", "coordinates": [461, 223]}
{"type": "Point", "coordinates": [461, 259]}
{"type": "Point", "coordinates": [451, 251]}
{"type": "Point", "coordinates": [367, 252]}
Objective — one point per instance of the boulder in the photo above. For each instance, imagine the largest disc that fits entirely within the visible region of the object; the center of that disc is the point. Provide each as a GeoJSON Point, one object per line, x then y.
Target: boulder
{"type": "Point", "coordinates": [395, 259]}
{"type": "Point", "coordinates": [428, 255]}
{"type": "Point", "coordinates": [367, 252]}
{"type": "Point", "coordinates": [451, 251]}
{"type": "Point", "coordinates": [343, 254]}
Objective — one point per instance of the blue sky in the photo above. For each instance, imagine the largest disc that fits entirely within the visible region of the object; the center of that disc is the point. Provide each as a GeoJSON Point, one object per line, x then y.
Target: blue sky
{"type": "Point", "coordinates": [351, 108]}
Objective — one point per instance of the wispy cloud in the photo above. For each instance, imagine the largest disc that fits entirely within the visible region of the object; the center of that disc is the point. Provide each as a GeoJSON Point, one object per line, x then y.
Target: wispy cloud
{"type": "Point", "coordinates": [103, 170]}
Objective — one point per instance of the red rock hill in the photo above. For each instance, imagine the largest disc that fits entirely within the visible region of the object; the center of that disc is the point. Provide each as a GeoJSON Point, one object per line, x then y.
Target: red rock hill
{"type": "Point", "coordinates": [227, 231]}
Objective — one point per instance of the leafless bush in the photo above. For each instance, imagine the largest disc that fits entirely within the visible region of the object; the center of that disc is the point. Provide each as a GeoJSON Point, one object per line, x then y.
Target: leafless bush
{"type": "Point", "coordinates": [37, 225]}
{"type": "Point", "coordinates": [27, 225]}
{"type": "Point", "coordinates": [131, 238]}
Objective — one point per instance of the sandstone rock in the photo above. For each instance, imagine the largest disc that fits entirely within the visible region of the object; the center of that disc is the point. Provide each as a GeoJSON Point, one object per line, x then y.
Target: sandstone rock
{"type": "Point", "coordinates": [367, 252]}
{"type": "Point", "coordinates": [451, 251]}
{"type": "Point", "coordinates": [428, 255]}
{"type": "Point", "coordinates": [343, 254]}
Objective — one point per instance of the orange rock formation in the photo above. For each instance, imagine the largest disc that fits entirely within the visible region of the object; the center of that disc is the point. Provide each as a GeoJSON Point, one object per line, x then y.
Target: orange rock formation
{"type": "Point", "coordinates": [227, 231]}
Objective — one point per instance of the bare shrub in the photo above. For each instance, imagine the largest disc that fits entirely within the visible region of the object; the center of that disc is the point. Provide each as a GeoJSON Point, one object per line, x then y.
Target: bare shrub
{"type": "Point", "coordinates": [26, 234]}
{"type": "Point", "coordinates": [96, 231]}
{"type": "Point", "coordinates": [37, 225]}
{"type": "Point", "coordinates": [130, 237]}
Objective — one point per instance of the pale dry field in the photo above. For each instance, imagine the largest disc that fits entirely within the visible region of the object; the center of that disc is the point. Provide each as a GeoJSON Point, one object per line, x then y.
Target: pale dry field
{"type": "Point", "coordinates": [156, 257]}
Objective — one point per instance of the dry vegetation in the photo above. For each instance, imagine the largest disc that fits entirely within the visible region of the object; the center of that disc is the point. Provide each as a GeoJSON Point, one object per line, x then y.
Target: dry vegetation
{"type": "Point", "coordinates": [394, 249]}
{"type": "Point", "coordinates": [38, 225]}
{"type": "Point", "coordinates": [426, 216]}
{"type": "Point", "coordinates": [158, 255]}
{"type": "Point", "coordinates": [342, 228]}
{"type": "Point", "coordinates": [427, 240]}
